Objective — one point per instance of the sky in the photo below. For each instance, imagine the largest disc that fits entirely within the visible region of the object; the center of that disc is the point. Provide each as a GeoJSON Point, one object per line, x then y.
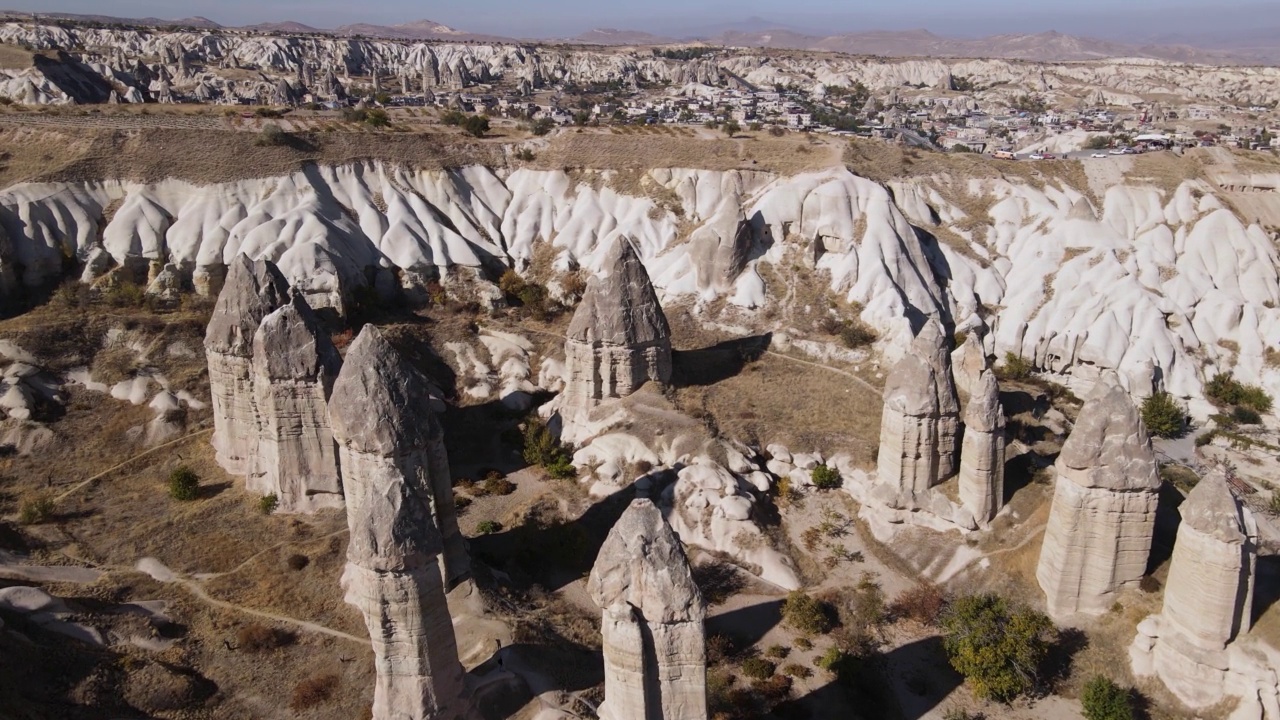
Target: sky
{"type": "Point", "coordinates": [1135, 20]}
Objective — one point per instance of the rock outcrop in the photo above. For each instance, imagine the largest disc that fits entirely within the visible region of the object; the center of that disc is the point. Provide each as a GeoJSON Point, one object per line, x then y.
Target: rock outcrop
{"type": "Point", "coordinates": [393, 573]}
{"type": "Point", "coordinates": [982, 451]}
{"type": "Point", "coordinates": [294, 366]}
{"type": "Point", "coordinates": [968, 363]}
{"type": "Point", "coordinates": [921, 417]}
{"type": "Point", "coordinates": [654, 648]}
{"type": "Point", "coordinates": [1208, 603]}
{"type": "Point", "coordinates": [1099, 532]}
{"type": "Point", "coordinates": [619, 338]}
{"type": "Point", "coordinates": [253, 290]}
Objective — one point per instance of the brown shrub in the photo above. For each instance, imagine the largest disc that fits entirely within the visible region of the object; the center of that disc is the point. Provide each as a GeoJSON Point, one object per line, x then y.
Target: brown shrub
{"type": "Point", "coordinates": [255, 637]}
{"type": "Point", "coordinates": [313, 691]}
{"type": "Point", "coordinates": [297, 561]}
{"type": "Point", "coordinates": [922, 603]}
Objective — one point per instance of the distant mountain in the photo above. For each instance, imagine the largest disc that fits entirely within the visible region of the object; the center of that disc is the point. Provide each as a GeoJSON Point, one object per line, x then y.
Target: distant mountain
{"type": "Point", "coordinates": [288, 26]}
{"type": "Point", "coordinates": [415, 30]}
{"type": "Point", "coordinates": [610, 36]}
{"type": "Point", "coordinates": [197, 22]}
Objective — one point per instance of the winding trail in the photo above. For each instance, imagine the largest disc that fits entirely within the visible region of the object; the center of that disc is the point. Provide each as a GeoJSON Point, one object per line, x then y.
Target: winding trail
{"type": "Point", "coordinates": [196, 589]}
{"type": "Point", "coordinates": [140, 455]}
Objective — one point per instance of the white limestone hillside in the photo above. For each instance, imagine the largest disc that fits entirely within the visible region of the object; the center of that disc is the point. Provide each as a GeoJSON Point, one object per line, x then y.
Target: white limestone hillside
{"type": "Point", "coordinates": [1162, 287]}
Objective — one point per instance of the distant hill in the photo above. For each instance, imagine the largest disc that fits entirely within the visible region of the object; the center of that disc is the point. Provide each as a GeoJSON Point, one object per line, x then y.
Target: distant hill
{"type": "Point", "coordinates": [287, 26]}
{"type": "Point", "coordinates": [610, 36]}
{"type": "Point", "coordinates": [415, 30]}
{"type": "Point", "coordinates": [198, 22]}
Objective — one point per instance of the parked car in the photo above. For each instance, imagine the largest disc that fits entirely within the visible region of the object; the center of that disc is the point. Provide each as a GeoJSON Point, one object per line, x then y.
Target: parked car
{"type": "Point", "coordinates": [1120, 151]}
{"type": "Point", "coordinates": [1037, 156]}
{"type": "Point", "coordinates": [1049, 156]}
{"type": "Point", "coordinates": [1099, 155]}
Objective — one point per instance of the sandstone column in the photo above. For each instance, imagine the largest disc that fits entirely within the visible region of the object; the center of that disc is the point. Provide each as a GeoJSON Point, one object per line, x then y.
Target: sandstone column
{"type": "Point", "coordinates": [654, 649]}
{"type": "Point", "coordinates": [294, 366]}
{"type": "Point", "coordinates": [921, 417]}
{"type": "Point", "coordinates": [252, 290]}
{"type": "Point", "coordinates": [393, 572]}
{"type": "Point", "coordinates": [1099, 532]}
{"type": "Point", "coordinates": [618, 338]}
{"type": "Point", "coordinates": [982, 452]}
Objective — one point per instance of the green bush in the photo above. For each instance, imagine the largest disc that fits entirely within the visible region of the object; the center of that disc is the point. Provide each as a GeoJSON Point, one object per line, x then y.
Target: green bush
{"type": "Point", "coordinates": [541, 126]}
{"type": "Point", "coordinates": [35, 510]}
{"type": "Point", "coordinates": [271, 135]}
{"type": "Point", "coordinates": [856, 334]}
{"type": "Point", "coordinates": [184, 484]}
{"type": "Point", "coordinates": [806, 614]}
{"type": "Point", "coordinates": [757, 668]}
{"type": "Point", "coordinates": [1206, 438]}
{"type": "Point", "coordinates": [476, 125]}
{"type": "Point", "coordinates": [125, 294]}
{"type": "Point", "coordinates": [377, 118]}
{"type": "Point", "coordinates": [1104, 700]}
{"type": "Point", "coordinates": [1245, 416]}
{"type": "Point", "coordinates": [1162, 416]}
{"type": "Point", "coordinates": [825, 477]}
{"type": "Point", "coordinates": [1014, 368]}
{"type": "Point", "coordinates": [831, 659]}
{"type": "Point", "coordinates": [488, 527]}
{"type": "Point", "coordinates": [996, 645]}
{"type": "Point", "coordinates": [541, 448]}
{"type": "Point", "coordinates": [453, 117]}
{"type": "Point", "coordinates": [267, 504]}
{"type": "Point", "coordinates": [1225, 389]}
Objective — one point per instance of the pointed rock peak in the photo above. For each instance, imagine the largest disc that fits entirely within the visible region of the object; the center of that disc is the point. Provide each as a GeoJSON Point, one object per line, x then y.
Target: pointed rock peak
{"type": "Point", "coordinates": [930, 338]}
{"type": "Point", "coordinates": [911, 388]}
{"type": "Point", "coordinates": [380, 402]}
{"type": "Point", "coordinates": [642, 564]}
{"type": "Point", "coordinates": [253, 289]}
{"type": "Point", "coordinates": [1082, 210]}
{"type": "Point", "coordinates": [1212, 509]}
{"type": "Point", "coordinates": [984, 413]}
{"type": "Point", "coordinates": [620, 308]}
{"type": "Point", "coordinates": [292, 343]}
{"type": "Point", "coordinates": [1110, 443]}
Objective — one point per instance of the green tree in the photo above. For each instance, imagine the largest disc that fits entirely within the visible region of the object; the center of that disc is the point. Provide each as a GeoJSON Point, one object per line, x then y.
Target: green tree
{"type": "Point", "coordinates": [996, 645]}
{"type": "Point", "coordinates": [731, 128]}
{"type": "Point", "coordinates": [184, 484]}
{"type": "Point", "coordinates": [476, 125]}
{"type": "Point", "coordinates": [541, 126]}
{"type": "Point", "coordinates": [1162, 416]}
{"type": "Point", "coordinates": [825, 477]}
{"type": "Point", "coordinates": [377, 117]}
{"type": "Point", "coordinates": [806, 614]}
{"type": "Point", "coordinates": [1104, 700]}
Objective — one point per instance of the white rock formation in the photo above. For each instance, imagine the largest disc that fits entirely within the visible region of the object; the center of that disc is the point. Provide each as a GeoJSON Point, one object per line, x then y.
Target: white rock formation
{"type": "Point", "coordinates": [968, 363]}
{"type": "Point", "coordinates": [252, 291]}
{"type": "Point", "coordinates": [394, 565]}
{"type": "Point", "coordinates": [618, 339]}
{"type": "Point", "coordinates": [1098, 537]}
{"type": "Point", "coordinates": [1195, 646]}
{"type": "Point", "coordinates": [294, 366]}
{"type": "Point", "coordinates": [655, 659]}
{"type": "Point", "coordinates": [982, 451]}
{"type": "Point", "coordinates": [920, 421]}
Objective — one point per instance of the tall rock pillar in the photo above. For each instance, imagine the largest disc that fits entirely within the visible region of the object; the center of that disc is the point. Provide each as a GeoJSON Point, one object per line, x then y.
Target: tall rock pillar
{"type": "Point", "coordinates": [921, 416]}
{"type": "Point", "coordinates": [253, 289]}
{"type": "Point", "coordinates": [654, 648]}
{"type": "Point", "coordinates": [982, 451]}
{"type": "Point", "coordinates": [618, 338]}
{"type": "Point", "coordinates": [1098, 537]}
{"type": "Point", "coordinates": [393, 573]}
{"type": "Point", "coordinates": [294, 366]}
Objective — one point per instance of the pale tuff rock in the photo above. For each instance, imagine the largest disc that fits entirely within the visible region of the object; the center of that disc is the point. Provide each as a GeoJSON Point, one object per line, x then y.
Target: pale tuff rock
{"type": "Point", "coordinates": [968, 363]}
{"type": "Point", "coordinates": [982, 451]}
{"type": "Point", "coordinates": [380, 416]}
{"type": "Point", "coordinates": [921, 417]}
{"type": "Point", "coordinates": [1196, 645]}
{"type": "Point", "coordinates": [711, 508]}
{"type": "Point", "coordinates": [1209, 595]}
{"type": "Point", "coordinates": [393, 572]}
{"type": "Point", "coordinates": [294, 366]}
{"type": "Point", "coordinates": [654, 648]}
{"type": "Point", "coordinates": [619, 338]}
{"type": "Point", "coordinates": [252, 291]}
{"type": "Point", "coordinates": [1099, 532]}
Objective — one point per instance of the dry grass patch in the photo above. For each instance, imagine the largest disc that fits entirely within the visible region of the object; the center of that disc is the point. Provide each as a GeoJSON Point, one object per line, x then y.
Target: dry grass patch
{"type": "Point", "coordinates": [13, 57]}
{"type": "Point", "coordinates": [602, 150]}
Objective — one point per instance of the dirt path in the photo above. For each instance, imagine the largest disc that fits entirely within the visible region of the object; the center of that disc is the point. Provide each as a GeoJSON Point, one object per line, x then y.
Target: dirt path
{"type": "Point", "coordinates": [140, 455]}
{"type": "Point", "coordinates": [196, 589]}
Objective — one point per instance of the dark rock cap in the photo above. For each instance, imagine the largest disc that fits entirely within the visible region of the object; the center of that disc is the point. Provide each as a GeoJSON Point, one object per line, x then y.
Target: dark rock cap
{"type": "Point", "coordinates": [380, 403]}
{"type": "Point", "coordinates": [291, 344]}
{"type": "Point", "coordinates": [621, 308]}
{"type": "Point", "coordinates": [253, 290]}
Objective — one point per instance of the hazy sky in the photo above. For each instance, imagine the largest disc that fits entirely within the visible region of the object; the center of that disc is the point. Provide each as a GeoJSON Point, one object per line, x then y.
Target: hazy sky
{"type": "Point", "coordinates": [1136, 20]}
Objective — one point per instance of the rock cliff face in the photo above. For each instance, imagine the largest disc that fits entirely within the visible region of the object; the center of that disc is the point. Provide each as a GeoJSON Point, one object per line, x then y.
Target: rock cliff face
{"type": "Point", "coordinates": [618, 339]}
{"type": "Point", "coordinates": [294, 366]}
{"type": "Point", "coordinates": [252, 291]}
{"type": "Point", "coordinates": [384, 429]}
{"type": "Point", "coordinates": [982, 451]}
{"type": "Point", "coordinates": [1192, 644]}
{"type": "Point", "coordinates": [654, 649]}
{"type": "Point", "coordinates": [1104, 505]}
{"type": "Point", "coordinates": [921, 416]}
{"type": "Point", "coordinates": [393, 573]}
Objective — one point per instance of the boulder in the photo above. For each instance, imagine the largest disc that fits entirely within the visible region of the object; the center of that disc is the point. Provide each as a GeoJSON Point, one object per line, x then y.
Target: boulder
{"type": "Point", "coordinates": [294, 366]}
{"type": "Point", "coordinates": [652, 626]}
{"type": "Point", "coordinates": [1099, 532]}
